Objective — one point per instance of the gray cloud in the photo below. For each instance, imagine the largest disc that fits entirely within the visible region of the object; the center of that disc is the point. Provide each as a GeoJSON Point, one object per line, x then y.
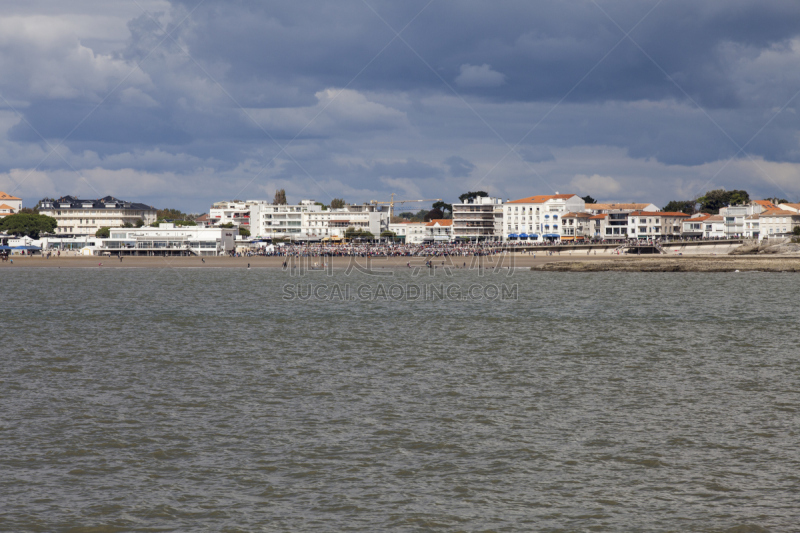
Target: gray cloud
{"type": "Point", "coordinates": [322, 89]}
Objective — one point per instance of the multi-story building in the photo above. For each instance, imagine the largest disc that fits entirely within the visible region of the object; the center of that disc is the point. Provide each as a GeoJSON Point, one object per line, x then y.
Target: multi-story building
{"type": "Point", "coordinates": [778, 223]}
{"type": "Point", "coordinates": [439, 230]}
{"type": "Point", "coordinates": [537, 218]}
{"type": "Point", "coordinates": [411, 232]}
{"type": "Point", "coordinates": [85, 217]}
{"type": "Point", "coordinates": [655, 225]}
{"type": "Point", "coordinates": [9, 205]}
{"type": "Point", "coordinates": [306, 221]}
{"type": "Point", "coordinates": [714, 227]}
{"type": "Point", "coordinates": [576, 227]}
{"type": "Point", "coordinates": [752, 228]}
{"type": "Point", "coordinates": [478, 219]}
{"type": "Point", "coordinates": [234, 212]}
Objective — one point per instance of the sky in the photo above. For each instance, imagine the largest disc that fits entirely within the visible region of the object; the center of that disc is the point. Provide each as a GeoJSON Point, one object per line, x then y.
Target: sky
{"type": "Point", "coordinates": [181, 103]}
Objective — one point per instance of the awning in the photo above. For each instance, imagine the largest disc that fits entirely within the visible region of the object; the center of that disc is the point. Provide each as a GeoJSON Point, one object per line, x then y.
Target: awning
{"type": "Point", "coordinates": [513, 236]}
{"type": "Point", "coordinates": [567, 238]}
{"type": "Point", "coordinates": [523, 235]}
{"type": "Point", "coordinates": [579, 238]}
{"type": "Point", "coordinates": [35, 248]}
{"type": "Point", "coordinates": [533, 236]}
{"type": "Point", "coordinates": [5, 248]}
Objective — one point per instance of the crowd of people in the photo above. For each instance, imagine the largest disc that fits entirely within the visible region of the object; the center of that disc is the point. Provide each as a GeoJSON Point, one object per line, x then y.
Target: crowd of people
{"type": "Point", "coordinates": [382, 250]}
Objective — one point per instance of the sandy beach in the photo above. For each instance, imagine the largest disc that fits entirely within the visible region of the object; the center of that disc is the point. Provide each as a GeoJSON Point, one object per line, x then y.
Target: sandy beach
{"type": "Point", "coordinates": [554, 263]}
{"type": "Point", "coordinates": [513, 260]}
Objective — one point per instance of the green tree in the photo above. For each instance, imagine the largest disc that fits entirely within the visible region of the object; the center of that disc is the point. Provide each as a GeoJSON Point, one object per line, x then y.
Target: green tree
{"type": "Point", "coordinates": [338, 203]}
{"type": "Point", "coordinates": [387, 233]}
{"type": "Point", "coordinates": [588, 199]}
{"type": "Point", "coordinates": [30, 224]}
{"type": "Point", "coordinates": [715, 200]}
{"type": "Point", "coordinates": [103, 233]}
{"type": "Point", "coordinates": [353, 233]}
{"type": "Point", "coordinates": [139, 223]}
{"type": "Point", "coordinates": [244, 232]}
{"type": "Point", "coordinates": [185, 222]}
{"type": "Point", "coordinates": [226, 225]}
{"type": "Point", "coordinates": [444, 207]}
{"type": "Point", "coordinates": [280, 197]}
{"type": "Point", "coordinates": [433, 214]}
{"type": "Point", "coordinates": [472, 194]}
{"type": "Point", "coordinates": [680, 206]}
{"type": "Point", "coordinates": [324, 207]}
{"type": "Point", "coordinates": [29, 210]}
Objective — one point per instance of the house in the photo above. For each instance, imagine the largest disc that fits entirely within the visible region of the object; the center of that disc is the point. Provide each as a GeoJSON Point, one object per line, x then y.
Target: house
{"type": "Point", "coordinates": [411, 232]}
{"type": "Point", "coordinates": [439, 230]}
{"type": "Point", "coordinates": [776, 223]}
{"type": "Point", "coordinates": [694, 226]}
{"type": "Point", "coordinates": [655, 225]}
{"type": "Point", "coordinates": [537, 218]}
{"type": "Point", "coordinates": [714, 227]}
{"type": "Point", "coordinates": [9, 204]}
{"type": "Point", "coordinates": [478, 219]}
{"type": "Point", "coordinates": [576, 227]}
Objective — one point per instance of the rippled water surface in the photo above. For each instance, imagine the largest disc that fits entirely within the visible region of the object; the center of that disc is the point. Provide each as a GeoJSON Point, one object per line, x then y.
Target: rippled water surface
{"type": "Point", "coordinates": [186, 400]}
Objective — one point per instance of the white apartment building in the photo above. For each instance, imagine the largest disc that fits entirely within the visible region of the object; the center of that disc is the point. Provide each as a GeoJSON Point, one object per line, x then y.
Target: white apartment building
{"type": "Point", "coordinates": [655, 224]}
{"type": "Point", "coordinates": [538, 218]}
{"type": "Point", "coordinates": [85, 217]}
{"type": "Point", "coordinates": [735, 216]}
{"type": "Point", "coordinates": [168, 239]}
{"type": "Point", "coordinates": [478, 219]}
{"type": "Point", "coordinates": [777, 223]}
{"type": "Point", "coordinates": [235, 212]}
{"type": "Point", "coordinates": [306, 221]}
{"type": "Point", "coordinates": [714, 227]}
{"type": "Point", "coordinates": [411, 232]}
{"type": "Point", "coordinates": [9, 204]}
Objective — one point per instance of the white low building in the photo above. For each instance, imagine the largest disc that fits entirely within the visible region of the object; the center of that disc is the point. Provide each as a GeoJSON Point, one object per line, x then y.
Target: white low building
{"type": "Point", "coordinates": [168, 239]}
{"type": "Point", "coordinates": [537, 218]}
{"type": "Point", "coordinates": [410, 232]}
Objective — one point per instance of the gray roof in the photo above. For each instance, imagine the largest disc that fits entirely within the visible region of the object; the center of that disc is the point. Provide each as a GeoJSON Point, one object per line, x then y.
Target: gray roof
{"type": "Point", "coordinates": [108, 202]}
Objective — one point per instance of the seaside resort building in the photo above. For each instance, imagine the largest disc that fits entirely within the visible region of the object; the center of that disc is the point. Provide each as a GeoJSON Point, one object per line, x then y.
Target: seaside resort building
{"type": "Point", "coordinates": [576, 227]}
{"type": "Point", "coordinates": [167, 240]}
{"type": "Point", "coordinates": [777, 223]}
{"type": "Point", "coordinates": [84, 217]}
{"type": "Point", "coordinates": [655, 225]}
{"type": "Point", "coordinates": [411, 232]}
{"type": "Point", "coordinates": [439, 230]}
{"type": "Point", "coordinates": [538, 218]}
{"type": "Point", "coordinates": [306, 221]}
{"type": "Point", "coordinates": [9, 205]}
{"type": "Point", "coordinates": [478, 219]}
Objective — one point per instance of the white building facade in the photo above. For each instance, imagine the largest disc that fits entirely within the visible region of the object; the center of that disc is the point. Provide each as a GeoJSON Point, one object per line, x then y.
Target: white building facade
{"type": "Point", "coordinates": [778, 223]}
{"type": "Point", "coordinates": [85, 217]}
{"type": "Point", "coordinates": [538, 218]}
{"type": "Point", "coordinates": [478, 219]}
{"type": "Point", "coordinates": [168, 239]}
{"type": "Point", "coordinates": [655, 225]}
{"type": "Point", "coordinates": [410, 232]}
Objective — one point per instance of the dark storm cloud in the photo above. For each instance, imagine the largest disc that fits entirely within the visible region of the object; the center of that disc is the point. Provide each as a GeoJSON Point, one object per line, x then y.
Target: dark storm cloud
{"type": "Point", "coordinates": [253, 89]}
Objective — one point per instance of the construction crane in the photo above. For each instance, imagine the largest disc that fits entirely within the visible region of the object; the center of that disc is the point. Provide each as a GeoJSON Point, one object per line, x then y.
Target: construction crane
{"type": "Point", "coordinates": [393, 201]}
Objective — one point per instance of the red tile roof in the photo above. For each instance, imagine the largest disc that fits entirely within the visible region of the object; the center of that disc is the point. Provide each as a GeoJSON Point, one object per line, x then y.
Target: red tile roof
{"type": "Point", "coordinates": [658, 214]}
{"type": "Point", "coordinates": [541, 199]}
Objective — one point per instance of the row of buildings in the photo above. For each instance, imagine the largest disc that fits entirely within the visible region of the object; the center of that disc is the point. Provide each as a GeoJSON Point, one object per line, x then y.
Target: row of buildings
{"type": "Point", "coordinates": [542, 218]}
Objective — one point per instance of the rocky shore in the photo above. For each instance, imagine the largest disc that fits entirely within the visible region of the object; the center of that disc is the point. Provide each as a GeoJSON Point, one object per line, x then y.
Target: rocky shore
{"type": "Point", "coordinates": [678, 264]}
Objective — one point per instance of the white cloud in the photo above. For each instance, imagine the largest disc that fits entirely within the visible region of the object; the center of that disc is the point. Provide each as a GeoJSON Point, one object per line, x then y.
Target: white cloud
{"type": "Point", "coordinates": [595, 184]}
{"type": "Point", "coordinates": [336, 110]}
{"type": "Point", "coordinates": [479, 76]}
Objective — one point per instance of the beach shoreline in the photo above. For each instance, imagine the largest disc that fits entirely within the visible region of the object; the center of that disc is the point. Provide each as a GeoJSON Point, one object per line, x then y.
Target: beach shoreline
{"type": "Point", "coordinates": [543, 263]}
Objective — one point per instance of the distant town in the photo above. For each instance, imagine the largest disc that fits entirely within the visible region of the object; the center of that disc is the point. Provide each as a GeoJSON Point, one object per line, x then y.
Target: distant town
{"type": "Point", "coordinates": [111, 226]}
